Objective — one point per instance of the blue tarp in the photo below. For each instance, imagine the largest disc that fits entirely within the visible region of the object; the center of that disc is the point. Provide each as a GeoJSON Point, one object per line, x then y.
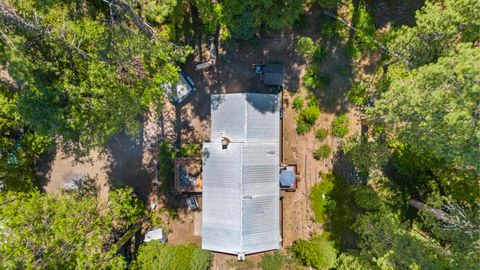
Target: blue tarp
{"type": "Point", "coordinates": [287, 178]}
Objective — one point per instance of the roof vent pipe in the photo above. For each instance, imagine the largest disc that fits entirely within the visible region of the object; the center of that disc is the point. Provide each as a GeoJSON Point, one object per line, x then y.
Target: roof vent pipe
{"type": "Point", "coordinates": [225, 142]}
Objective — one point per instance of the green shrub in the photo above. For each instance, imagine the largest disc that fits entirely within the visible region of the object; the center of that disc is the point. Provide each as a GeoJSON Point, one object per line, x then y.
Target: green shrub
{"type": "Point", "coordinates": [353, 51]}
{"type": "Point", "coordinates": [190, 150]}
{"type": "Point", "coordinates": [324, 80]}
{"type": "Point", "coordinates": [323, 151]}
{"type": "Point", "coordinates": [310, 79]}
{"type": "Point", "coordinates": [172, 213]}
{"type": "Point", "coordinates": [340, 126]}
{"type": "Point", "coordinates": [358, 94]}
{"type": "Point", "coordinates": [310, 115]}
{"type": "Point", "coordinates": [320, 198]}
{"type": "Point", "coordinates": [298, 103]}
{"type": "Point", "coordinates": [306, 47]}
{"type": "Point", "coordinates": [320, 54]}
{"type": "Point", "coordinates": [321, 134]}
{"type": "Point", "coordinates": [302, 127]}
{"type": "Point", "coordinates": [365, 197]}
{"type": "Point", "coordinates": [312, 100]}
{"type": "Point", "coordinates": [318, 252]}
{"type": "Point", "coordinates": [329, 27]}
{"type": "Point", "coordinates": [156, 219]}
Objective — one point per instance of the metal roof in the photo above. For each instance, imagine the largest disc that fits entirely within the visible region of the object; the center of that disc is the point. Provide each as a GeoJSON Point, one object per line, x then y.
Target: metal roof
{"type": "Point", "coordinates": [273, 74]}
{"type": "Point", "coordinates": [240, 211]}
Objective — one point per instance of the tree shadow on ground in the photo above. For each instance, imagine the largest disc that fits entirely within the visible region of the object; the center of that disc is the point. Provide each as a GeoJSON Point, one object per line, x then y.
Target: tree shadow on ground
{"type": "Point", "coordinates": [334, 70]}
{"type": "Point", "coordinates": [342, 215]}
{"type": "Point", "coordinates": [395, 12]}
{"type": "Point", "coordinates": [43, 166]}
{"type": "Point", "coordinates": [126, 165]}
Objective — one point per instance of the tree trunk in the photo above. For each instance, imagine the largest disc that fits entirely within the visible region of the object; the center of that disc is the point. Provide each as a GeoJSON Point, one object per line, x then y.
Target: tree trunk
{"type": "Point", "coordinates": [34, 31]}
{"type": "Point", "coordinates": [7, 80]}
{"type": "Point", "coordinates": [146, 29]}
{"type": "Point", "coordinates": [10, 17]}
{"type": "Point", "coordinates": [437, 213]}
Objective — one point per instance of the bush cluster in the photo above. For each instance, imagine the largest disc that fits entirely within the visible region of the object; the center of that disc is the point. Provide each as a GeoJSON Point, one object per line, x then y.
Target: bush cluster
{"type": "Point", "coordinates": [323, 151]}
{"type": "Point", "coordinates": [298, 103]}
{"type": "Point", "coordinates": [319, 252]}
{"type": "Point", "coordinates": [321, 134]}
{"type": "Point", "coordinates": [340, 126]}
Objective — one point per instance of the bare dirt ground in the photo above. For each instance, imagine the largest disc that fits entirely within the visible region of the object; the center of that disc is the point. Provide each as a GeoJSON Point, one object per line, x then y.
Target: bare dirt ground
{"type": "Point", "coordinates": [124, 161]}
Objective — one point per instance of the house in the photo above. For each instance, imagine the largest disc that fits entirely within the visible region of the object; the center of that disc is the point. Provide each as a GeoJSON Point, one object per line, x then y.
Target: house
{"type": "Point", "coordinates": [241, 208]}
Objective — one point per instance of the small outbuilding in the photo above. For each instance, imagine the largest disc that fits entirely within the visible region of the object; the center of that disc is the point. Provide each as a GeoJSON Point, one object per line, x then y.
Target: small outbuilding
{"type": "Point", "coordinates": [156, 234]}
{"type": "Point", "coordinates": [273, 74]}
{"type": "Point", "coordinates": [288, 177]}
{"type": "Point", "coordinates": [188, 175]}
{"type": "Point", "coordinates": [179, 91]}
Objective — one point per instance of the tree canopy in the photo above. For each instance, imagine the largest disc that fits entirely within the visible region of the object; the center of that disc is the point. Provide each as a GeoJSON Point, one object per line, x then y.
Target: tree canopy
{"type": "Point", "coordinates": [434, 108]}
{"type": "Point", "coordinates": [66, 231]}
{"type": "Point", "coordinates": [84, 72]}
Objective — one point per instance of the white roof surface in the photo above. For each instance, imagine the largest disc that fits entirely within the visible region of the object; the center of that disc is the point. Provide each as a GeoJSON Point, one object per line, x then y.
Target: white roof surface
{"type": "Point", "coordinates": [155, 234]}
{"type": "Point", "coordinates": [240, 211]}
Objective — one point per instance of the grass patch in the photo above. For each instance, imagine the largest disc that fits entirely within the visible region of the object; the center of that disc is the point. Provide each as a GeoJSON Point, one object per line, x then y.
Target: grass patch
{"type": "Point", "coordinates": [332, 205]}
{"type": "Point", "coordinates": [320, 198]}
{"type": "Point", "coordinates": [278, 261]}
{"type": "Point", "coordinates": [240, 265]}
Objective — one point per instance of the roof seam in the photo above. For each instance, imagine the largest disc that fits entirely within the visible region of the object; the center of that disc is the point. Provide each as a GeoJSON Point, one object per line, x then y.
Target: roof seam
{"type": "Point", "coordinates": [241, 198]}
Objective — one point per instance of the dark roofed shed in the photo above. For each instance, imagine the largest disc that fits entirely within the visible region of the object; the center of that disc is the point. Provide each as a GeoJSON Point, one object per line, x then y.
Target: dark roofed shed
{"type": "Point", "coordinates": [273, 74]}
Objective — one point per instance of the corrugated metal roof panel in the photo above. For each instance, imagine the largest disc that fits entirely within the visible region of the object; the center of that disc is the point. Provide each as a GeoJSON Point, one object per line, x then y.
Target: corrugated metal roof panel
{"type": "Point", "coordinates": [221, 220]}
{"type": "Point", "coordinates": [263, 121]}
{"type": "Point", "coordinates": [228, 117]}
{"type": "Point", "coordinates": [240, 183]}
